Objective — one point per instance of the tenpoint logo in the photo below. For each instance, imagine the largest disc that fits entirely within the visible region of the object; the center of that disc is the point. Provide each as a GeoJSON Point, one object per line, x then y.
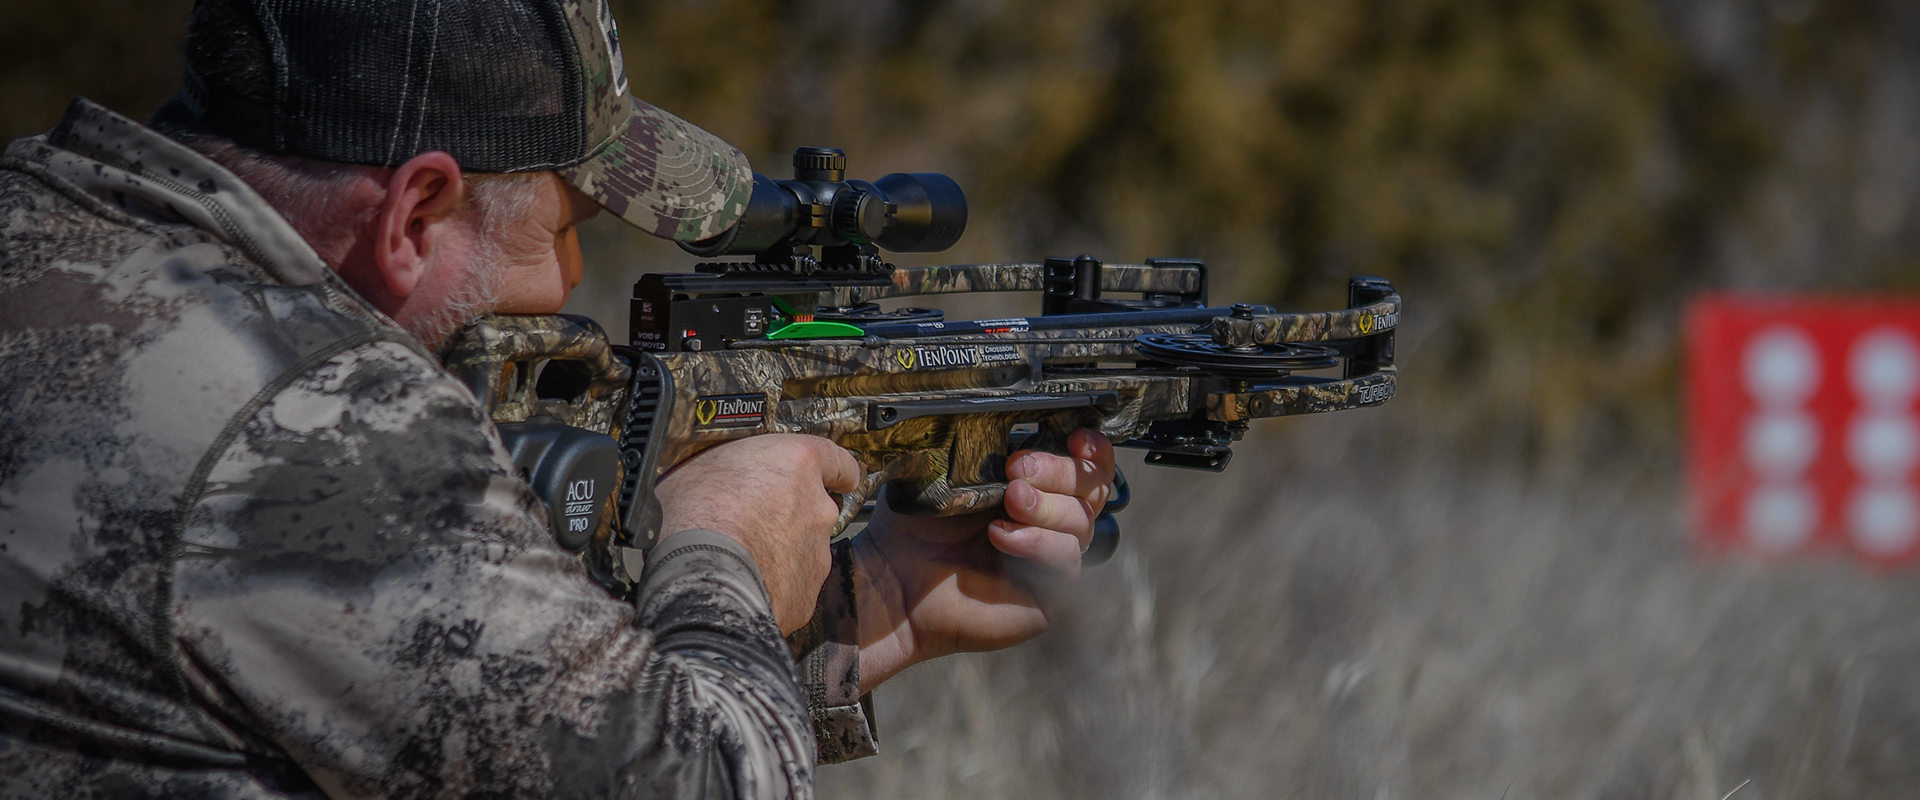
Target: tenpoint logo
{"type": "Point", "coordinates": [1378, 322]}
{"type": "Point", "coordinates": [730, 410]}
{"type": "Point", "coordinates": [937, 357]}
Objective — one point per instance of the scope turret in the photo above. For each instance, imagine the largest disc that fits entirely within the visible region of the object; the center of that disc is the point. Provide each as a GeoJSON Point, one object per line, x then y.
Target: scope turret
{"type": "Point", "coordinates": [906, 212]}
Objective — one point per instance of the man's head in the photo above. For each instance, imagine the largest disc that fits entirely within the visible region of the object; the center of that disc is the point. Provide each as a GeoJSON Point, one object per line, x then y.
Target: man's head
{"type": "Point", "coordinates": [426, 243]}
{"type": "Point", "coordinates": [437, 153]}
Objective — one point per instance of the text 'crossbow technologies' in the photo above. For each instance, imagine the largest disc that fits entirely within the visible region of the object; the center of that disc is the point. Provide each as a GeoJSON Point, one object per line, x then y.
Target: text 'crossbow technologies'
{"type": "Point", "coordinates": [792, 339]}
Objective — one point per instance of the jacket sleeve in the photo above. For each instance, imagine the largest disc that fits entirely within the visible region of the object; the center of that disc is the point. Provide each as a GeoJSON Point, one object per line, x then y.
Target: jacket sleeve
{"type": "Point", "coordinates": [828, 653]}
{"type": "Point", "coordinates": [364, 587]}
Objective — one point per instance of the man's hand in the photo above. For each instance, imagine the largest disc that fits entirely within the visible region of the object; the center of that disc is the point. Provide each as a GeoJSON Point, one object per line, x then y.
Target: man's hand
{"type": "Point", "coordinates": [770, 493]}
{"type": "Point", "coordinates": [932, 586]}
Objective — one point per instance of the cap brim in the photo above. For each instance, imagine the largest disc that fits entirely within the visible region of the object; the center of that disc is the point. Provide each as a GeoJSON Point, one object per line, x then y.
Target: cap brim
{"type": "Point", "coordinates": [667, 177]}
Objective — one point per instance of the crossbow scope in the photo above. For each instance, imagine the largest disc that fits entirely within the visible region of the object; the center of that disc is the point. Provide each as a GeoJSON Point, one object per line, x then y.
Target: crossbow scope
{"type": "Point", "coordinates": [906, 212]}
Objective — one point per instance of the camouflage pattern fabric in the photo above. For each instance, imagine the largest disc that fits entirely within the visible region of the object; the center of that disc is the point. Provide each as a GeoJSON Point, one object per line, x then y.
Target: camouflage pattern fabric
{"type": "Point", "coordinates": [255, 543]}
{"type": "Point", "coordinates": [828, 652]}
{"type": "Point", "coordinates": [667, 177]}
{"type": "Point", "coordinates": [658, 172]}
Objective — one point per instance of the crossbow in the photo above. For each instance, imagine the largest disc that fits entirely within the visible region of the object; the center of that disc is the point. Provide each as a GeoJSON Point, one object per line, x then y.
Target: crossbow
{"type": "Point", "coordinates": [795, 339]}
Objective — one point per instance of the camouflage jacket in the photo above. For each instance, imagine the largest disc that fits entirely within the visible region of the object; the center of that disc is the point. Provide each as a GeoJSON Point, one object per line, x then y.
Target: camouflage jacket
{"type": "Point", "coordinates": [254, 542]}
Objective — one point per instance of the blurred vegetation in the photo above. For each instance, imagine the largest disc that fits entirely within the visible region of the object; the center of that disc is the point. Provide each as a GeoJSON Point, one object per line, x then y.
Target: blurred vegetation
{"type": "Point", "coordinates": [122, 53]}
{"type": "Point", "coordinates": [1547, 181]}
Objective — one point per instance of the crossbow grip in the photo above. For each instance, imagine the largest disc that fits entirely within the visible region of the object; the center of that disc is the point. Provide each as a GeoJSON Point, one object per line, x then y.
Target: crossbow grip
{"type": "Point", "coordinates": [931, 490]}
{"type": "Point", "coordinates": [940, 498]}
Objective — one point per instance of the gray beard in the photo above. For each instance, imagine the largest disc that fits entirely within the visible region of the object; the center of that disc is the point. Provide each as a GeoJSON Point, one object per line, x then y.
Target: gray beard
{"type": "Point", "coordinates": [478, 296]}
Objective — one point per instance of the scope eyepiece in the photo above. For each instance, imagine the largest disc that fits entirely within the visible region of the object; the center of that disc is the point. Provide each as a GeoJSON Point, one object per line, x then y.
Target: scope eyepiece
{"type": "Point", "coordinates": [906, 212]}
{"type": "Point", "coordinates": [859, 214]}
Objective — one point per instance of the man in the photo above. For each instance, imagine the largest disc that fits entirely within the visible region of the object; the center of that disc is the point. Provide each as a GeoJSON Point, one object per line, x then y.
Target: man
{"type": "Point", "coordinates": [254, 542]}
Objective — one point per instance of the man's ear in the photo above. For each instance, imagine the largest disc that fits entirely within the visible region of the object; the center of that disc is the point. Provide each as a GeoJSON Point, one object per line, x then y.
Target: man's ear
{"type": "Point", "coordinates": [423, 192]}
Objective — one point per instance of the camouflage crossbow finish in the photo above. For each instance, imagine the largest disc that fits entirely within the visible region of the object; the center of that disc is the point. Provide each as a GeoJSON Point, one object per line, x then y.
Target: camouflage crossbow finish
{"type": "Point", "coordinates": [930, 407]}
{"type": "Point", "coordinates": [795, 341]}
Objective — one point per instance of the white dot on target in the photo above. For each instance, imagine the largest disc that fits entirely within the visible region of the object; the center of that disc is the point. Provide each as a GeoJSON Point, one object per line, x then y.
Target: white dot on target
{"type": "Point", "coordinates": [1883, 447]}
{"type": "Point", "coordinates": [1780, 519]}
{"type": "Point", "coordinates": [1884, 368]}
{"type": "Point", "coordinates": [1780, 445]}
{"type": "Point", "coordinates": [1883, 521]}
{"type": "Point", "coordinates": [1781, 367]}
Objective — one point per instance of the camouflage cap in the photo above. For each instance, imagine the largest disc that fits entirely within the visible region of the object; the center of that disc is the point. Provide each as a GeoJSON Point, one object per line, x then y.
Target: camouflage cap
{"type": "Point", "coordinates": [502, 85]}
{"type": "Point", "coordinates": [654, 170]}
{"type": "Point", "coordinates": [667, 177]}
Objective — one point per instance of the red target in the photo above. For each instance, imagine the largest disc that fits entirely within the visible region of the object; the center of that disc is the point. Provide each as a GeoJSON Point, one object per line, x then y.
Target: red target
{"type": "Point", "coordinates": [1802, 433]}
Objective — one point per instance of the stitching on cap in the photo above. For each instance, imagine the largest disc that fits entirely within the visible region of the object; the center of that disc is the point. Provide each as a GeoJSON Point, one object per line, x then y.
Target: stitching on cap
{"type": "Point", "coordinates": [406, 77]}
{"type": "Point", "coordinates": [426, 88]}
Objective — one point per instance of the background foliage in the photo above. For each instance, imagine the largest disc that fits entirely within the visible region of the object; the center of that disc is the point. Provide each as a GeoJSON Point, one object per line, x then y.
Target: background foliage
{"type": "Point", "coordinates": [1479, 590]}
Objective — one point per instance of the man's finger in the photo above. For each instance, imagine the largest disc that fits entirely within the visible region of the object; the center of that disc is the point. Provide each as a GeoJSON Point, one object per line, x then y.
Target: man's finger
{"type": "Point", "coordinates": [1053, 473]}
{"type": "Point", "coordinates": [839, 470]}
{"type": "Point", "coordinates": [1071, 515]}
{"type": "Point", "coordinates": [1087, 471]}
{"type": "Point", "coordinates": [1094, 446]}
{"type": "Point", "coordinates": [1051, 550]}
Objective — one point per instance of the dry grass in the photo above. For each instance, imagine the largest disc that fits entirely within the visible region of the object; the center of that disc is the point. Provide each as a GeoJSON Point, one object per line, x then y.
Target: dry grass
{"type": "Point", "coordinates": [1345, 615]}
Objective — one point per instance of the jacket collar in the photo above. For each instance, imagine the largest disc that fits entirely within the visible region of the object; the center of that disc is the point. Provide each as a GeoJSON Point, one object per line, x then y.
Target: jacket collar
{"type": "Point", "coordinates": [130, 166]}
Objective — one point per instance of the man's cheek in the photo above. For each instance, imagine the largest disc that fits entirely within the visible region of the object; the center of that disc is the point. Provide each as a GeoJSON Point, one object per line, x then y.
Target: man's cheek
{"type": "Point", "coordinates": [535, 290]}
